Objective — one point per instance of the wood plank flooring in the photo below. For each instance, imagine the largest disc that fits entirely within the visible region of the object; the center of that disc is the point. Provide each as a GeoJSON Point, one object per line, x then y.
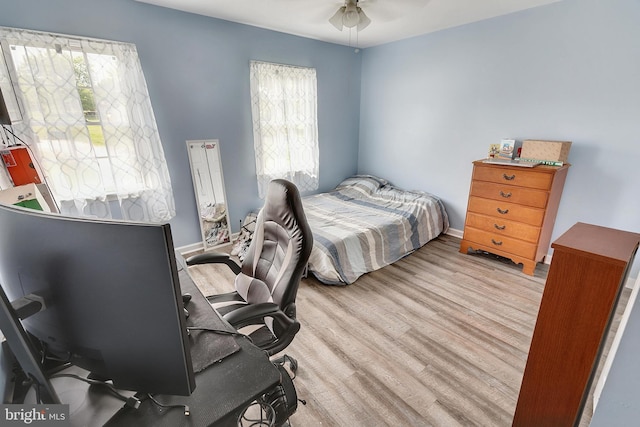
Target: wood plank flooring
{"type": "Point", "coordinates": [437, 339]}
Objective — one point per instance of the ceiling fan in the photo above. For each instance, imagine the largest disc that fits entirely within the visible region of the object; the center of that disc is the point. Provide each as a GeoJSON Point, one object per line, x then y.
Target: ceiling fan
{"type": "Point", "coordinates": [350, 15]}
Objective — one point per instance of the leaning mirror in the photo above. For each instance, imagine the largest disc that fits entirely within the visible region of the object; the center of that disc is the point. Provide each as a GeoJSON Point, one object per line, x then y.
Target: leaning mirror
{"type": "Point", "coordinates": [208, 184]}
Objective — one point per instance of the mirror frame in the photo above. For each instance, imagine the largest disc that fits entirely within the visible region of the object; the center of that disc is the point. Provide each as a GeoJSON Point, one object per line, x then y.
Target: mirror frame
{"type": "Point", "coordinates": [211, 150]}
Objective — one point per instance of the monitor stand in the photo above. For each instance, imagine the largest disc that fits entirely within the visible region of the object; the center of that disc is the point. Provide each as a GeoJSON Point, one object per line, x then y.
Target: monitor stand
{"type": "Point", "coordinates": [21, 347]}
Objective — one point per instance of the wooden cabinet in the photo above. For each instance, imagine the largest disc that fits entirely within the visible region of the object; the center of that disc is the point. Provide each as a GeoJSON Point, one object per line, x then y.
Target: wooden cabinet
{"type": "Point", "coordinates": [512, 210]}
{"type": "Point", "coordinates": [589, 267]}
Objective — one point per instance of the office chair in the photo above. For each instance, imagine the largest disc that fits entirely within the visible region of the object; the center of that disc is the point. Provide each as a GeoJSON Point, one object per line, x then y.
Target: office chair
{"type": "Point", "coordinates": [267, 282]}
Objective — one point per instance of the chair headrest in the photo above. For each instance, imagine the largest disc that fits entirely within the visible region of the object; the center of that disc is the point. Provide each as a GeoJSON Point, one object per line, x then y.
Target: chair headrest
{"type": "Point", "coordinates": [282, 203]}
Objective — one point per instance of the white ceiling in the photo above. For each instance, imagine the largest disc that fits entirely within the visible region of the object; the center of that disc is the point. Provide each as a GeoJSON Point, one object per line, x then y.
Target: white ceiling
{"type": "Point", "coordinates": [391, 19]}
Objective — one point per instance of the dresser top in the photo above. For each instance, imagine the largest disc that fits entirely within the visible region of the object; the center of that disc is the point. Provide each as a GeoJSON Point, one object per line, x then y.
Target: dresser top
{"type": "Point", "coordinates": [599, 242]}
{"type": "Point", "coordinates": [537, 168]}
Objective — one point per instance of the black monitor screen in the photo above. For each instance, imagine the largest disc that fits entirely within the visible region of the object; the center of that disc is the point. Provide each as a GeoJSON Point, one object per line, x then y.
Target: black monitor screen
{"type": "Point", "coordinates": [112, 296]}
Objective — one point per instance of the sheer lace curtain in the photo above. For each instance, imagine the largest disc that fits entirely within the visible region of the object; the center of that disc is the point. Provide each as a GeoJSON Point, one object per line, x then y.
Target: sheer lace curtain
{"type": "Point", "coordinates": [89, 158]}
{"type": "Point", "coordinates": [285, 124]}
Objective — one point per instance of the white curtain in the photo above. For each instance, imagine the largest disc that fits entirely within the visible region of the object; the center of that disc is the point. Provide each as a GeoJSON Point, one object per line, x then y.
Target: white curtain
{"type": "Point", "coordinates": [285, 124]}
{"type": "Point", "coordinates": [128, 163]}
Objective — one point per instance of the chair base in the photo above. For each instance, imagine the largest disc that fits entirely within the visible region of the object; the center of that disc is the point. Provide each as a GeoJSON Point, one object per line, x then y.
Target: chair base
{"type": "Point", "coordinates": [275, 407]}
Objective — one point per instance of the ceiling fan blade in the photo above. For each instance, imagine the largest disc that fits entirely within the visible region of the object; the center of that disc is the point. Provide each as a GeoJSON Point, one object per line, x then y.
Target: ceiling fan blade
{"type": "Point", "coordinates": [336, 19]}
{"type": "Point", "coordinates": [364, 20]}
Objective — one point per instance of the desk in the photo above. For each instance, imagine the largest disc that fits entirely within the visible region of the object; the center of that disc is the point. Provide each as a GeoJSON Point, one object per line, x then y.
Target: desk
{"type": "Point", "coordinates": [223, 389]}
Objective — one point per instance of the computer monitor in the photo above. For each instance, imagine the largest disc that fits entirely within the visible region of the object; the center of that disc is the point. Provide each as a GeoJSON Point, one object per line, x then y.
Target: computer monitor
{"type": "Point", "coordinates": [112, 299]}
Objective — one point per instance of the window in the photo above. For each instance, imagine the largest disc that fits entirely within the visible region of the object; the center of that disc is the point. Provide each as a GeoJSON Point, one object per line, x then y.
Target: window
{"type": "Point", "coordinates": [87, 117]}
{"type": "Point", "coordinates": [285, 124]}
{"type": "Point", "coordinates": [92, 118]}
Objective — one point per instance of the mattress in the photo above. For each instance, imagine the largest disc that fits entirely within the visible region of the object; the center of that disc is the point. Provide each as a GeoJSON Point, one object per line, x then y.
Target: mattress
{"type": "Point", "coordinates": [366, 223]}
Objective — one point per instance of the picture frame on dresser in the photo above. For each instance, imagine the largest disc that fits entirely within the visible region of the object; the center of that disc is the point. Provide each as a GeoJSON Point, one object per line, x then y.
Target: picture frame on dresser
{"type": "Point", "coordinates": [507, 148]}
{"type": "Point", "coordinates": [511, 211]}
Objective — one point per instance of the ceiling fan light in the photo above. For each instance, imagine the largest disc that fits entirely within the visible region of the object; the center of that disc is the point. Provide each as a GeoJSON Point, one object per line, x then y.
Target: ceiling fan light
{"type": "Point", "coordinates": [336, 19]}
{"type": "Point", "coordinates": [364, 20]}
{"type": "Point", "coordinates": [350, 18]}
{"type": "Point", "coordinates": [350, 15]}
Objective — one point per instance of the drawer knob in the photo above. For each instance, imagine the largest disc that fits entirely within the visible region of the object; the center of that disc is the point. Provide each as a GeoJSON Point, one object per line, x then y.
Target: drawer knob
{"type": "Point", "coordinates": [496, 243]}
{"type": "Point", "coordinates": [503, 212]}
{"type": "Point", "coordinates": [505, 195]}
{"type": "Point", "coordinates": [509, 177]}
{"type": "Point", "coordinates": [499, 227]}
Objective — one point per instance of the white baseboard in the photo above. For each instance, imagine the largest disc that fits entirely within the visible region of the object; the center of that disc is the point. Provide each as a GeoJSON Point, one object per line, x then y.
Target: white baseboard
{"type": "Point", "coordinates": [198, 246]}
{"type": "Point", "coordinates": [455, 233]}
{"type": "Point", "coordinates": [547, 259]}
{"type": "Point", "coordinates": [450, 232]}
{"type": "Point", "coordinates": [635, 287]}
{"type": "Point", "coordinates": [190, 248]}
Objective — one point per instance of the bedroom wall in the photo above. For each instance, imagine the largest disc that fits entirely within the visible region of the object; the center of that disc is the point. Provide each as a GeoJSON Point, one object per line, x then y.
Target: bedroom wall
{"type": "Point", "coordinates": [618, 404]}
{"type": "Point", "coordinates": [566, 71]}
{"type": "Point", "coordinates": [197, 72]}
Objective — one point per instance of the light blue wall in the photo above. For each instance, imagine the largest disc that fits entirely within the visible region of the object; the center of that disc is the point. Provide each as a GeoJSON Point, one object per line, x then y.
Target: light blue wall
{"type": "Point", "coordinates": [567, 71]}
{"type": "Point", "coordinates": [619, 404]}
{"type": "Point", "coordinates": [197, 71]}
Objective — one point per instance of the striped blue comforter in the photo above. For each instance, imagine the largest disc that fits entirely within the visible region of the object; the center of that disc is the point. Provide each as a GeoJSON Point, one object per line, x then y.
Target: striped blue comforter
{"type": "Point", "coordinates": [365, 224]}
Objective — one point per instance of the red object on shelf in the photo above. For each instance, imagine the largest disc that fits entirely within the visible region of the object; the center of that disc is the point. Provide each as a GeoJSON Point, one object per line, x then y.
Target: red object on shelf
{"type": "Point", "coordinates": [20, 166]}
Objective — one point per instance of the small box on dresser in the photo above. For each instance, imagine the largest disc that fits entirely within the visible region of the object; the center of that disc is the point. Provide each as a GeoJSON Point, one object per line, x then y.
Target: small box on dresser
{"type": "Point", "coordinates": [512, 210]}
{"type": "Point", "coordinates": [551, 151]}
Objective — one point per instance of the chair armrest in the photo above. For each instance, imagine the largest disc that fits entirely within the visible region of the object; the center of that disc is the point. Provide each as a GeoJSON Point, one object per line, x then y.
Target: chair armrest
{"type": "Point", "coordinates": [214, 258]}
{"type": "Point", "coordinates": [253, 314]}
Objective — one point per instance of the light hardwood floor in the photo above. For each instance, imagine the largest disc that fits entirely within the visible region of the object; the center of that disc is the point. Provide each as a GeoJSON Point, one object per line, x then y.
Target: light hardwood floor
{"type": "Point", "coordinates": [437, 339]}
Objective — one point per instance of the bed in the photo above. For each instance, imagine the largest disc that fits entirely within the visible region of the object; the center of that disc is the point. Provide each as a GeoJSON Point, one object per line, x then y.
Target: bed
{"type": "Point", "coordinates": [366, 223]}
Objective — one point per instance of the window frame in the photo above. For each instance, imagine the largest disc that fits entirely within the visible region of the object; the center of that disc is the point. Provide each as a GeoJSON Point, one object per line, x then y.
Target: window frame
{"type": "Point", "coordinates": [139, 176]}
{"type": "Point", "coordinates": [283, 131]}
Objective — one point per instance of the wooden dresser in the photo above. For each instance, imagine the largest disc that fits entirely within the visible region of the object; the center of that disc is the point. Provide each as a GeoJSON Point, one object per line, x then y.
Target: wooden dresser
{"type": "Point", "coordinates": [512, 210]}
{"type": "Point", "coordinates": [589, 269]}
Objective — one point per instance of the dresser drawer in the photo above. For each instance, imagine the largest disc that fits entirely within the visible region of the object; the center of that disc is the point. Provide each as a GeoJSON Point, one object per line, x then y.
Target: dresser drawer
{"type": "Point", "coordinates": [522, 178]}
{"type": "Point", "coordinates": [505, 210]}
{"type": "Point", "coordinates": [503, 227]}
{"type": "Point", "coordinates": [494, 241]}
{"type": "Point", "coordinates": [509, 193]}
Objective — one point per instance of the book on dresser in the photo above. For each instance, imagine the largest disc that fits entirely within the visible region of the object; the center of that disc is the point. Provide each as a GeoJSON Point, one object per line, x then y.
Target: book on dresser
{"type": "Point", "coordinates": [511, 211]}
